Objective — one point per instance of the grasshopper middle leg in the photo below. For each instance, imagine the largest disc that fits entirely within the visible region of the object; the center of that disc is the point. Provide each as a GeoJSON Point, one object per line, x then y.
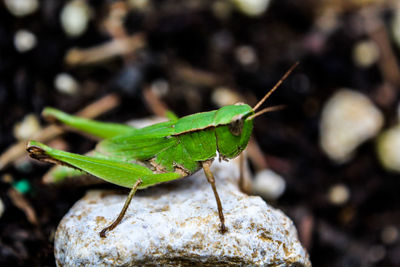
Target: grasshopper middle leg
{"type": "Point", "coordinates": [122, 213]}
{"type": "Point", "coordinates": [211, 180]}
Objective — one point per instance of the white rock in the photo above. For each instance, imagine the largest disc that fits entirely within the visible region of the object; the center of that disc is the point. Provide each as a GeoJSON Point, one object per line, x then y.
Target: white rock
{"type": "Point", "coordinates": [388, 148]}
{"type": "Point", "coordinates": [2, 208]}
{"type": "Point", "coordinates": [20, 8]}
{"type": "Point", "coordinates": [348, 119]}
{"type": "Point", "coordinates": [27, 128]}
{"type": "Point", "coordinates": [268, 184]}
{"type": "Point", "coordinates": [176, 224]}
{"type": "Point", "coordinates": [66, 84]}
{"type": "Point", "coordinates": [339, 194]}
{"type": "Point", "coordinates": [252, 8]}
{"type": "Point", "coordinates": [395, 26]}
{"type": "Point", "coordinates": [75, 17]}
{"type": "Point", "coordinates": [389, 234]}
{"type": "Point", "coordinates": [365, 53]}
{"type": "Point", "coordinates": [246, 55]}
{"type": "Point", "coordinates": [24, 41]}
{"type": "Point", "coordinates": [223, 96]}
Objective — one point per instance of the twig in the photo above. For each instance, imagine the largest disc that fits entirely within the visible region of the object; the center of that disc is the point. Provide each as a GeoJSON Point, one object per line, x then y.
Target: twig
{"type": "Point", "coordinates": [20, 202]}
{"type": "Point", "coordinates": [106, 51]}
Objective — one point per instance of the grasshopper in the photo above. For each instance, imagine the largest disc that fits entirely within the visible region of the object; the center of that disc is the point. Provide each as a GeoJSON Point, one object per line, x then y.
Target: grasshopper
{"type": "Point", "coordinates": [139, 158]}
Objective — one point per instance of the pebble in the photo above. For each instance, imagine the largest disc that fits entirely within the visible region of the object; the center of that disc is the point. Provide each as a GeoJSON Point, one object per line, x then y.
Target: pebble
{"type": "Point", "coordinates": [160, 87]}
{"type": "Point", "coordinates": [223, 96]}
{"type": "Point", "coordinates": [66, 84]}
{"type": "Point", "coordinates": [24, 41]}
{"type": "Point", "coordinates": [75, 17]}
{"type": "Point", "coordinates": [246, 55]}
{"type": "Point", "coordinates": [2, 208]}
{"type": "Point", "coordinates": [252, 8]}
{"type": "Point", "coordinates": [139, 4]}
{"type": "Point", "coordinates": [389, 235]}
{"type": "Point", "coordinates": [269, 184]}
{"type": "Point", "coordinates": [365, 53]}
{"type": "Point", "coordinates": [348, 119]}
{"type": "Point", "coordinates": [20, 8]}
{"type": "Point", "coordinates": [338, 194]}
{"type": "Point", "coordinates": [27, 128]}
{"type": "Point", "coordinates": [395, 27]}
{"type": "Point", "coordinates": [388, 148]}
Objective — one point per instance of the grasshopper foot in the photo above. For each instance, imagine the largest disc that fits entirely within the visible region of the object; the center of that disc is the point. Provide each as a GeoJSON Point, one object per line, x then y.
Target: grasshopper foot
{"type": "Point", "coordinates": [223, 229]}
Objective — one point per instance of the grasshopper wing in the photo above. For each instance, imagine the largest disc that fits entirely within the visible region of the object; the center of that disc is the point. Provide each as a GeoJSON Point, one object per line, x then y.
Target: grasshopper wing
{"type": "Point", "coordinates": [142, 144]}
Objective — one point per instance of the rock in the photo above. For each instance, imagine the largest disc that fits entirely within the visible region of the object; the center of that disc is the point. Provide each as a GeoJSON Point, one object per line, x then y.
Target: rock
{"type": "Point", "coordinates": [252, 8]}
{"type": "Point", "coordinates": [388, 149]}
{"type": "Point", "coordinates": [365, 53]}
{"type": "Point", "coordinates": [24, 41]}
{"type": "Point", "coordinates": [75, 17]}
{"type": "Point", "coordinates": [395, 27]}
{"type": "Point", "coordinates": [2, 207]}
{"type": "Point", "coordinates": [176, 224]}
{"type": "Point", "coordinates": [27, 128]}
{"type": "Point", "coordinates": [348, 119]}
{"type": "Point", "coordinates": [20, 8]}
{"type": "Point", "coordinates": [269, 184]}
{"type": "Point", "coordinates": [223, 96]}
{"type": "Point", "coordinates": [246, 55]}
{"type": "Point", "coordinates": [66, 84]}
{"type": "Point", "coordinates": [338, 194]}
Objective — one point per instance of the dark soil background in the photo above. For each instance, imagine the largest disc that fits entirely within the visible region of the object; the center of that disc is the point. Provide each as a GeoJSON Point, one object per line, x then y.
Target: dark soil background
{"type": "Point", "coordinates": [195, 47]}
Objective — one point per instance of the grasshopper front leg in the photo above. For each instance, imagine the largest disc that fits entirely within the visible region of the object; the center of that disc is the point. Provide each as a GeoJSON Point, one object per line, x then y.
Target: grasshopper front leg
{"type": "Point", "coordinates": [210, 178]}
{"type": "Point", "coordinates": [123, 211]}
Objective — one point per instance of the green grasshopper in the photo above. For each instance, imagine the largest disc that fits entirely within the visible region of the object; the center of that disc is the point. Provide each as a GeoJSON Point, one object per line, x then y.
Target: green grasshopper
{"type": "Point", "coordinates": [139, 158]}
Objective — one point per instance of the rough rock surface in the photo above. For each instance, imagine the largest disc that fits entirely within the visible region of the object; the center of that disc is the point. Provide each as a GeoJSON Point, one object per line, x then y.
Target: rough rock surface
{"type": "Point", "coordinates": [177, 224]}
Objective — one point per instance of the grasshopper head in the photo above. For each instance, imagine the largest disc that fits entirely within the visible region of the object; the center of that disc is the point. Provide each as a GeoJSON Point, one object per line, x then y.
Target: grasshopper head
{"type": "Point", "coordinates": [235, 122]}
{"type": "Point", "coordinates": [234, 129]}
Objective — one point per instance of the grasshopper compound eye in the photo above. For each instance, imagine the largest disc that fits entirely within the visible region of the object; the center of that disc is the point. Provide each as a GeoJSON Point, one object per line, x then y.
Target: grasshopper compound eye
{"type": "Point", "coordinates": [236, 125]}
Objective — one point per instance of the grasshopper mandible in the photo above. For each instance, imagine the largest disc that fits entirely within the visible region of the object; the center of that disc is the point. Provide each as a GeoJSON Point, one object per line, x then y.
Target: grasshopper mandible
{"type": "Point", "coordinates": [139, 158]}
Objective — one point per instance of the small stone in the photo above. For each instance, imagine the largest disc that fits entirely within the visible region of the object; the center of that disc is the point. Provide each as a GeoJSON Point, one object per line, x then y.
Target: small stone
{"type": "Point", "coordinates": [348, 119]}
{"type": "Point", "coordinates": [176, 224]}
{"type": "Point", "coordinates": [269, 185]}
{"type": "Point", "coordinates": [221, 9]}
{"type": "Point", "coordinates": [252, 8]}
{"type": "Point", "coordinates": [66, 84]}
{"type": "Point", "coordinates": [376, 253]}
{"type": "Point", "coordinates": [395, 26]}
{"type": "Point", "coordinates": [75, 17]}
{"type": "Point", "coordinates": [223, 96]}
{"type": "Point", "coordinates": [389, 235]}
{"type": "Point", "coordinates": [27, 128]}
{"type": "Point", "coordinates": [139, 4]}
{"type": "Point", "coordinates": [20, 8]}
{"type": "Point", "coordinates": [338, 194]}
{"type": "Point", "coordinates": [388, 148]}
{"type": "Point", "coordinates": [365, 53]}
{"type": "Point", "coordinates": [246, 55]}
{"type": "Point", "coordinates": [2, 207]}
{"type": "Point", "coordinates": [160, 87]}
{"type": "Point", "coordinates": [24, 41]}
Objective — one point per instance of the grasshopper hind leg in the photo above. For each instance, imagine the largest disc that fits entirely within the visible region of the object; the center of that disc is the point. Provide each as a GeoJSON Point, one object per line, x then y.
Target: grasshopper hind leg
{"type": "Point", "coordinates": [123, 211]}
{"type": "Point", "coordinates": [211, 180]}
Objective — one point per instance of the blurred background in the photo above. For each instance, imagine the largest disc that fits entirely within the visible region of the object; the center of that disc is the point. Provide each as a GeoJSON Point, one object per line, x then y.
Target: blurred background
{"type": "Point", "coordinates": [330, 160]}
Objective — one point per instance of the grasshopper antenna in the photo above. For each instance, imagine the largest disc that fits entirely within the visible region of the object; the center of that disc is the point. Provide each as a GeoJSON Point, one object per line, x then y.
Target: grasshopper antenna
{"type": "Point", "coordinates": [265, 110]}
{"type": "Point", "coordinates": [284, 77]}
